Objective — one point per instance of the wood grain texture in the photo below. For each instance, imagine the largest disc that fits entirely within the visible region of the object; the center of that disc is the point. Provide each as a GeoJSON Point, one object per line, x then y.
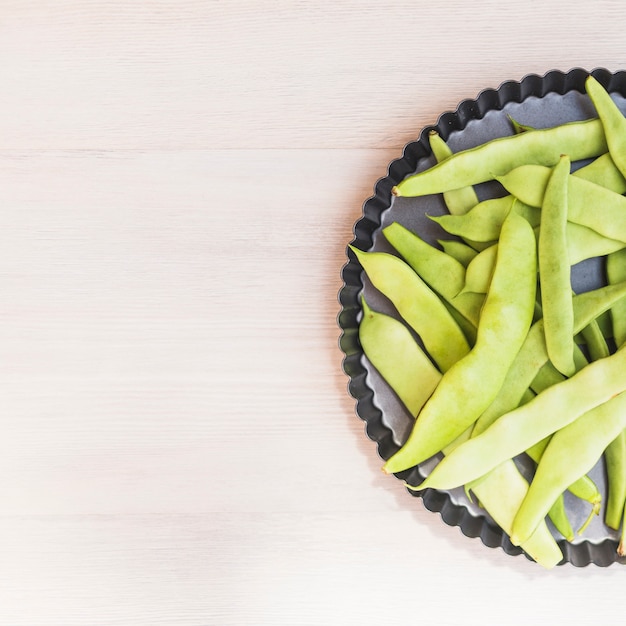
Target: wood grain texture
{"type": "Point", "coordinates": [194, 74]}
{"type": "Point", "coordinates": [178, 183]}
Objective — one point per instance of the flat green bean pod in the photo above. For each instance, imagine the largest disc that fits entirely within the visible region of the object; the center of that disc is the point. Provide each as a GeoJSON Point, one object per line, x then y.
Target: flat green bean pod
{"type": "Point", "coordinates": [480, 270]}
{"type": "Point", "coordinates": [603, 171]}
{"type": "Point", "coordinates": [518, 430]}
{"type": "Point", "coordinates": [387, 342]}
{"type": "Point", "coordinates": [441, 272]}
{"type": "Point", "coordinates": [608, 217]}
{"type": "Point", "coordinates": [582, 243]}
{"type": "Point", "coordinates": [613, 122]}
{"type": "Point", "coordinates": [533, 355]}
{"type": "Point", "coordinates": [615, 458]}
{"type": "Point", "coordinates": [391, 349]}
{"type": "Point", "coordinates": [458, 250]}
{"type": "Point", "coordinates": [505, 320]}
{"type": "Point", "coordinates": [458, 201]}
{"type": "Point", "coordinates": [484, 222]}
{"type": "Point", "coordinates": [571, 453]}
{"type": "Point", "coordinates": [554, 271]}
{"type": "Point", "coordinates": [616, 272]}
{"type": "Point", "coordinates": [418, 305]}
{"type": "Point", "coordinates": [501, 493]}
{"type": "Point", "coordinates": [581, 140]}
{"type": "Point", "coordinates": [595, 341]}
{"type": "Point", "coordinates": [583, 487]}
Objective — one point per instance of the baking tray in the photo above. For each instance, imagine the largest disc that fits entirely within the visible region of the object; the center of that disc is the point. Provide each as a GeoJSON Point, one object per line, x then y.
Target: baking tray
{"type": "Point", "coordinates": [539, 101]}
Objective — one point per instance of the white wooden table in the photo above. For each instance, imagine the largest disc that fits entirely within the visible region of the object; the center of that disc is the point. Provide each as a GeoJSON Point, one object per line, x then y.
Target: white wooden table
{"type": "Point", "coordinates": [178, 182]}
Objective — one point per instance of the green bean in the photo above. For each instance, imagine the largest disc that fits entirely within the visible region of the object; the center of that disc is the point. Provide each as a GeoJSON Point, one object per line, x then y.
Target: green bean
{"type": "Point", "coordinates": [602, 171]}
{"type": "Point", "coordinates": [615, 460]}
{"type": "Point", "coordinates": [595, 341]}
{"type": "Point", "coordinates": [505, 320]}
{"type": "Point", "coordinates": [444, 274]}
{"type": "Point", "coordinates": [417, 304]}
{"type": "Point", "coordinates": [582, 243]}
{"type": "Point", "coordinates": [528, 184]}
{"type": "Point", "coordinates": [470, 306]}
{"type": "Point", "coordinates": [386, 342]}
{"type": "Point", "coordinates": [394, 353]}
{"type": "Point", "coordinates": [501, 494]}
{"type": "Point", "coordinates": [533, 355]}
{"type": "Point", "coordinates": [484, 221]}
{"type": "Point", "coordinates": [434, 266]}
{"type": "Point", "coordinates": [468, 329]}
{"type": "Point", "coordinates": [621, 546]}
{"type": "Point", "coordinates": [457, 201]}
{"type": "Point", "coordinates": [615, 454]}
{"type": "Point", "coordinates": [616, 272]}
{"type": "Point", "coordinates": [548, 375]}
{"type": "Point", "coordinates": [604, 322]}
{"type": "Point", "coordinates": [480, 270]}
{"type": "Point", "coordinates": [583, 488]}
{"type": "Point", "coordinates": [558, 516]}
{"type": "Point", "coordinates": [581, 140]}
{"type": "Point", "coordinates": [613, 121]}
{"type": "Point", "coordinates": [571, 453]}
{"type": "Point", "coordinates": [458, 250]}
{"type": "Point", "coordinates": [556, 293]}
{"type": "Point", "coordinates": [518, 430]}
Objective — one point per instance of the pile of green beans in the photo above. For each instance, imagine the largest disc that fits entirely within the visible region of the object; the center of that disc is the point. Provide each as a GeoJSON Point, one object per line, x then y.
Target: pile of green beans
{"type": "Point", "coordinates": [491, 351]}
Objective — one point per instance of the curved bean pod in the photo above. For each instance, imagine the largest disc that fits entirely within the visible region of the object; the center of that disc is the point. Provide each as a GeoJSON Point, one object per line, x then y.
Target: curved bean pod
{"type": "Point", "coordinates": [533, 354]}
{"type": "Point", "coordinates": [595, 341]}
{"type": "Point", "coordinates": [458, 201]}
{"type": "Point", "coordinates": [518, 430]}
{"type": "Point", "coordinates": [613, 122]}
{"type": "Point", "coordinates": [501, 493]}
{"type": "Point", "coordinates": [394, 353]}
{"type": "Point", "coordinates": [444, 274]}
{"type": "Point", "coordinates": [558, 516]}
{"type": "Point", "coordinates": [386, 342]}
{"type": "Point", "coordinates": [616, 272]}
{"type": "Point", "coordinates": [417, 305]}
{"type": "Point", "coordinates": [554, 270]}
{"type": "Point", "coordinates": [458, 250]}
{"type": "Point", "coordinates": [581, 140]}
{"type": "Point", "coordinates": [484, 222]}
{"type": "Point", "coordinates": [505, 320]}
{"type": "Point", "coordinates": [615, 459]}
{"type": "Point", "coordinates": [583, 487]}
{"type": "Point", "coordinates": [603, 171]}
{"type": "Point", "coordinates": [528, 184]}
{"type": "Point", "coordinates": [480, 270]}
{"type": "Point", "coordinates": [571, 453]}
{"type": "Point", "coordinates": [582, 243]}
